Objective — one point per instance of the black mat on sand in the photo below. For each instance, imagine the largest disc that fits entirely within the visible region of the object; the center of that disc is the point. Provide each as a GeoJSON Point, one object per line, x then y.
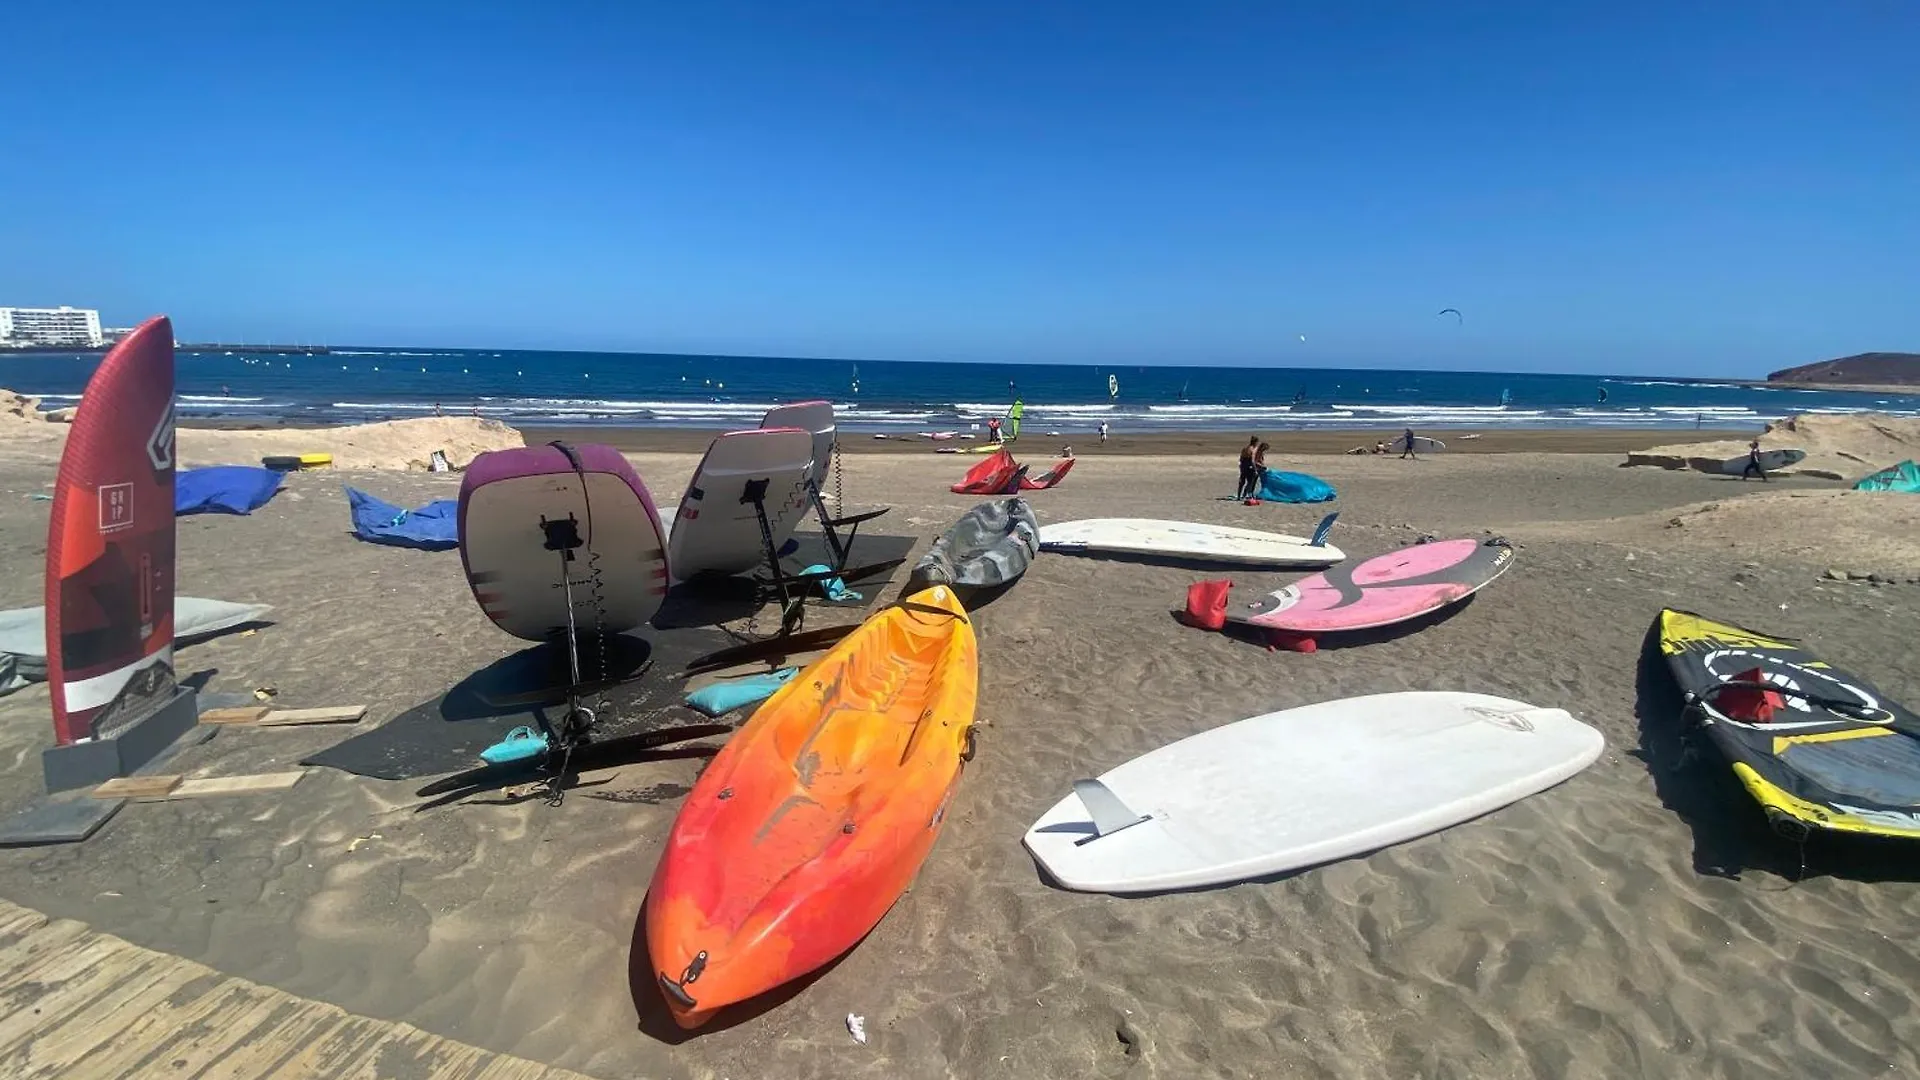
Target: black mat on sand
{"type": "Point", "coordinates": [446, 733]}
{"type": "Point", "coordinates": [711, 601]}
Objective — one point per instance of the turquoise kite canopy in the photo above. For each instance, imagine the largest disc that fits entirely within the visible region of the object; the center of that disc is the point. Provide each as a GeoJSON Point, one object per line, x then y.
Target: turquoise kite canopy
{"type": "Point", "coordinates": [1904, 477]}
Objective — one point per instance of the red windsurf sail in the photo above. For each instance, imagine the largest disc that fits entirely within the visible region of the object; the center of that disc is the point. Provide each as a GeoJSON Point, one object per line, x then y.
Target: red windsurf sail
{"type": "Point", "coordinates": [1049, 478]}
{"type": "Point", "coordinates": [110, 544]}
{"type": "Point", "coordinates": [997, 474]}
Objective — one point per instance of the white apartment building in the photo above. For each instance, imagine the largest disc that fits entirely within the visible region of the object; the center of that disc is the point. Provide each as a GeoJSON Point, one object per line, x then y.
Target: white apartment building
{"type": "Point", "coordinates": [50, 326]}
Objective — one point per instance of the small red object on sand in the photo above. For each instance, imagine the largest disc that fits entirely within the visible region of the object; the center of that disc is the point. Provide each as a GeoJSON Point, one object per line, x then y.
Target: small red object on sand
{"type": "Point", "coordinates": [1207, 604]}
{"type": "Point", "coordinates": [1252, 502]}
{"type": "Point", "coordinates": [1753, 706]}
{"type": "Point", "coordinates": [1291, 641]}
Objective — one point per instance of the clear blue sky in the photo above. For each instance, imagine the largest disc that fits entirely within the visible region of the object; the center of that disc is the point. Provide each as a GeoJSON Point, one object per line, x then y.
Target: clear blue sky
{"type": "Point", "coordinates": [1712, 188]}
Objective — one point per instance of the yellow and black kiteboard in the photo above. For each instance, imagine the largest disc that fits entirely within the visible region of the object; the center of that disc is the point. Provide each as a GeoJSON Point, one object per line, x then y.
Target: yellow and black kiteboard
{"type": "Point", "coordinates": [1818, 747]}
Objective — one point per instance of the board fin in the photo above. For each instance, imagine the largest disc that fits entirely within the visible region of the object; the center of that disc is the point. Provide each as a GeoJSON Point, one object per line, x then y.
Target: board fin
{"type": "Point", "coordinates": [1109, 814]}
{"type": "Point", "coordinates": [1320, 531]}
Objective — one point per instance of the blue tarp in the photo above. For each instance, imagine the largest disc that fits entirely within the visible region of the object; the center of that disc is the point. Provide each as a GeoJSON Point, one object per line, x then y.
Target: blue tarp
{"type": "Point", "coordinates": [224, 489]}
{"type": "Point", "coordinates": [1294, 487]}
{"type": "Point", "coordinates": [433, 527]}
{"type": "Point", "coordinates": [1904, 477]}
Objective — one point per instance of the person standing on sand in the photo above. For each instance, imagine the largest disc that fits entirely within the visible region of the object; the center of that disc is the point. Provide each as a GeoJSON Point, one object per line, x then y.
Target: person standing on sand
{"type": "Point", "coordinates": [1753, 462]}
{"type": "Point", "coordinates": [1245, 490]}
{"type": "Point", "coordinates": [1103, 433]}
{"type": "Point", "coordinates": [993, 429]}
{"type": "Point", "coordinates": [1406, 449]}
{"type": "Point", "coordinates": [1259, 469]}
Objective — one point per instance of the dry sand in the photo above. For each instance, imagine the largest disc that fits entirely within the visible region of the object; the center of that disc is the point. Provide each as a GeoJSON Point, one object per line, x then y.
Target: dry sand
{"type": "Point", "coordinates": [1635, 921]}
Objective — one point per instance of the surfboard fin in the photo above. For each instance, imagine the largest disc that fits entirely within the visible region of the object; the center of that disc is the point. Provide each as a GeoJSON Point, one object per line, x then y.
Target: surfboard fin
{"type": "Point", "coordinates": [1320, 531]}
{"type": "Point", "coordinates": [1110, 815]}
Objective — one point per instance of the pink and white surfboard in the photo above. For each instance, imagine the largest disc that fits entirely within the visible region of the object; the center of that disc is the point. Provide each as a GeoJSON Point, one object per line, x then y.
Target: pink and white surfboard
{"type": "Point", "coordinates": [1381, 591]}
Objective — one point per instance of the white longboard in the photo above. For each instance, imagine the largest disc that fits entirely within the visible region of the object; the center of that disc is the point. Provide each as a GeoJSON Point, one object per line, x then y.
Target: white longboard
{"type": "Point", "coordinates": [714, 531]}
{"type": "Point", "coordinates": [1188, 540]}
{"type": "Point", "coordinates": [1770, 460]}
{"type": "Point", "coordinates": [1302, 787]}
{"type": "Point", "coordinates": [1421, 445]}
{"type": "Point", "coordinates": [816, 419]}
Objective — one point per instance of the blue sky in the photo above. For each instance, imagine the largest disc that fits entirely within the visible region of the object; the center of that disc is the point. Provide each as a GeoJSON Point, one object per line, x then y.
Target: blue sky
{"type": "Point", "coordinates": [1712, 188]}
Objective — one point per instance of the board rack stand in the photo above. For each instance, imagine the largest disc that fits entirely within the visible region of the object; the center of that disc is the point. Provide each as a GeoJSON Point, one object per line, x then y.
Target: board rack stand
{"type": "Point", "coordinates": [791, 590]}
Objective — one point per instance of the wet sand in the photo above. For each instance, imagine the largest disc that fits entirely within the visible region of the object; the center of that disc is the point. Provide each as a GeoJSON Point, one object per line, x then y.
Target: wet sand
{"type": "Point", "coordinates": [1638, 920]}
{"type": "Point", "coordinates": [1227, 444]}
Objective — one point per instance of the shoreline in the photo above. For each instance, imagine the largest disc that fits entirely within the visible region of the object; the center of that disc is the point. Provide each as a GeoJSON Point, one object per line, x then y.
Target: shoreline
{"type": "Point", "coordinates": [1324, 441]}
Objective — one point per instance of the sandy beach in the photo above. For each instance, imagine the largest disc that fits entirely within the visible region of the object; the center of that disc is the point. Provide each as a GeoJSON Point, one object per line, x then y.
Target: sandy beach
{"type": "Point", "coordinates": [1638, 920]}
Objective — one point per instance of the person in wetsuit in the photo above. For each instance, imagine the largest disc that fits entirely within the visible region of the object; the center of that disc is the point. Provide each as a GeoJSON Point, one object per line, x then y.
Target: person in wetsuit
{"type": "Point", "coordinates": [1249, 480]}
{"type": "Point", "coordinates": [1753, 462]}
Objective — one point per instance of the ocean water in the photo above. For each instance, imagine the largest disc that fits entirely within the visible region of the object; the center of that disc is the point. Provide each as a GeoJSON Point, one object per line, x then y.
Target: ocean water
{"type": "Point", "coordinates": [570, 388]}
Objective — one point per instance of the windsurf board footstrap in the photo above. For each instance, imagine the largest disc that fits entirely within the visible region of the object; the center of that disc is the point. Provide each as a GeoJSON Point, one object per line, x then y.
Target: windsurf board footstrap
{"type": "Point", "coordinates": [1109, 814]}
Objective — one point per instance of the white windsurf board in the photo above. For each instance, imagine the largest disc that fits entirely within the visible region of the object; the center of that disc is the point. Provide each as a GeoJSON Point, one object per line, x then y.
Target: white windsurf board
{"type": "Point", "coordinates": [1151, 537]}
{"type": "Point", "coordinates": [1770, 460]}
{"type": "Point", "coordinates": [1303, 787]}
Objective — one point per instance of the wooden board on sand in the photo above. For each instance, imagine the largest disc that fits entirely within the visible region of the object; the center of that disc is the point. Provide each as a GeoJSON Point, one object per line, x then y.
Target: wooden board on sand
{"type": "Point", "coordinates": [105, 1008]}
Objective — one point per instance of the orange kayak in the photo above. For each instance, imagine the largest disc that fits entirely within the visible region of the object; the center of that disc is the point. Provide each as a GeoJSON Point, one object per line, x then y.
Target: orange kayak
{"type": "Point", "coordinates": [813, 819]}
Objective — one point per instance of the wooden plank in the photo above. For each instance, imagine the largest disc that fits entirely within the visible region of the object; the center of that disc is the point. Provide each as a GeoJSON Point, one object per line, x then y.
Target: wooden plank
{"type": "Point", "coordinates": [189, 1048]}
{"type": "Point", "coordinates": [57, 934]}
{"type": "Point", "coordinates": [105, 1008]}
{"type": "Point", "coordinates": [53, 1050]}
{"type": "Point", "coordinates": [136, 787]}
{"type": "Point", "coordinates": [235, 785]}
{"type": "Point", "coordinates": [333, 714]}
{"type": "Point", "coordinates": [15, 922]}
{"type": "Point", "coordinates": [141, 1046]}
{"type": "Point", "coordinates": [74, 979]}
{"type": "Point", "coordinates": [245, 714]}
{"type": "Point", "coordinates": [289, 1047]}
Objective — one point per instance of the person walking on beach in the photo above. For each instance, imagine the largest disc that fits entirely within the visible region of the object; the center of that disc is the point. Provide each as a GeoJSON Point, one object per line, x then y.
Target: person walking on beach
{"type": "Point", "coordinates": [993, 429]}
{"type": "Point", "coordinates": [1103, 433]}
{"type": "Point", "coordinates": [1753, 462]}
{"type": "Point", "coordinates": [1245, 490]}
{"type": "Point", "coordinates": [1406, 449]}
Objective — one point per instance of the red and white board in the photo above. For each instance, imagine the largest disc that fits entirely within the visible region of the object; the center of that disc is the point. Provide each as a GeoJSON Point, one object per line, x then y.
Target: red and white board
{"type": "Point", "coordinates": [110, 580]}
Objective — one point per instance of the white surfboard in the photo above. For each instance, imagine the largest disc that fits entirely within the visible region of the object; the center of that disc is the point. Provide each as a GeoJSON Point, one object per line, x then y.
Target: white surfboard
{"type": "Point", "coordinates": [1421, 445]}
{"type": "Point", "coordinates": [714, 531]}
{"type": "Point", "coordinates": [1305, 786]}
{"type": "Point", "coordinates": [1186, 540]}
{"type": "Point", "coordinates": [815, 418]}
{"type": "Point", "coordinates": [1770, 460]}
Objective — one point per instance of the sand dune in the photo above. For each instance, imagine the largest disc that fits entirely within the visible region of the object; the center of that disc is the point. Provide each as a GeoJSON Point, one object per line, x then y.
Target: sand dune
{"type": "Point", "coordinates": [390, 444]}
{"type": "Point", "coordinates": [1838, 447]}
